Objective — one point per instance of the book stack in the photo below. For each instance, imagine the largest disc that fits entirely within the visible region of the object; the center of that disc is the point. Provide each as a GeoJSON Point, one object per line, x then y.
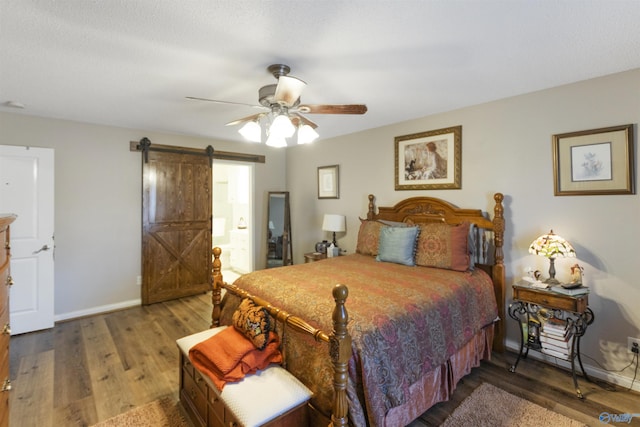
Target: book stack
{"type": "Point", "coordinates": [580, 290]}
{"type": "Point", "coordinates": [556, 339]}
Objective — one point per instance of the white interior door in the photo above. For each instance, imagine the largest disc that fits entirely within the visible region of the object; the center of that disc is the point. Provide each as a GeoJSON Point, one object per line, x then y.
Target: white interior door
{"type": "Point", "coordinates": [26, 189]}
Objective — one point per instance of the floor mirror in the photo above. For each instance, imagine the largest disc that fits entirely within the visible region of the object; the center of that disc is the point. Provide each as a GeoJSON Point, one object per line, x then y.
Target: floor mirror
{"type": "Point", "coordinates": [279, 250]}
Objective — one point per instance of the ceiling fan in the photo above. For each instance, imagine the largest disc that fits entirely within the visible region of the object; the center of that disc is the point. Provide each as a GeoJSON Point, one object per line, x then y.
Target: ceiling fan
{"type": "Point", "coordinates": [284, 112]}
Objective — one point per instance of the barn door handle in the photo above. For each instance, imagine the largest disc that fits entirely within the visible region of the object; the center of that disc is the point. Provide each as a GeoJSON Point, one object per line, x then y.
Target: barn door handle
{"type": "Point", "coordinates": [43, 248]}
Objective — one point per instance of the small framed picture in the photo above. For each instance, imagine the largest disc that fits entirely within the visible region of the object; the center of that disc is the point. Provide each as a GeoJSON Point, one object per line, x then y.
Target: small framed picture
{"type": "Point", "coordinates": [328, 182]}
{"type": "Point", "coordinates": [429, 160]}
{"type": "Point", "coordinates": [591, 162]}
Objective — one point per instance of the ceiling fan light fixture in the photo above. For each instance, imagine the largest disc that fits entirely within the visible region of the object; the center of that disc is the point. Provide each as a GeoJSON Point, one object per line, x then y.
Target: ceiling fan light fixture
{"type": "Point", "coordinates": [251, 131]}
{"type": "Point", "coordinates": [282, 127]}
{"type": "Point", "coordinates": [276, 141]}
{"type": "Point", "coordinates": [282, 111]}
{"type": "Point", "coordinates": [288, 90]}
{"type": "Point", "coordinates": [306, 134]}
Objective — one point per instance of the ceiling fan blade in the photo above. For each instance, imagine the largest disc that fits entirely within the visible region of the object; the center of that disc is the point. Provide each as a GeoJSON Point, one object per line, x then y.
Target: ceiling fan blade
{"type": "Point", "coordinates": [195, 98]}
{"type": "Point", "coordinates": [333, 109]}
{"type": "Point", "coordinates": [288, 90]}
{"type": "Point", "coordinates": [296, 118]}
{"type": "Point", "coordinates": [246, 119]}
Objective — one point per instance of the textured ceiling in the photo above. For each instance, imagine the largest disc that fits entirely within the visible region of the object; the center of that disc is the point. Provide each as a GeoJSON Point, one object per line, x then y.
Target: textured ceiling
{"type": "Point", "coordinates": [131, 63]}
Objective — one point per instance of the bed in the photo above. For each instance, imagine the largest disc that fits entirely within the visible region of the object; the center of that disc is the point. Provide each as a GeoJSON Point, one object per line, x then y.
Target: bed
{"type": "Point", "coordinates": [418, 305]}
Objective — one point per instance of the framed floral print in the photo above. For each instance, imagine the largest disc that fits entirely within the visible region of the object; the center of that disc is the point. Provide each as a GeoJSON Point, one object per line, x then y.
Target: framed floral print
{"type": "Point", "coordinates": [593, 162]}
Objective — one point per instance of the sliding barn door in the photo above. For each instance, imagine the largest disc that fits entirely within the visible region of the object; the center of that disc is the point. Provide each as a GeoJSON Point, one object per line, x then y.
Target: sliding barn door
{"type": "Point", "coordinates": [176, 240]}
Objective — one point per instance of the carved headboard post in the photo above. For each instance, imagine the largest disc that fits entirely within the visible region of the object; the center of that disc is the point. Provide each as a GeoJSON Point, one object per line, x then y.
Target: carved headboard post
{"type": "Point", "coordinates": [340, 352]}
{"type": "Point", "coordinates": [216, 285]}
{"type": "Point", "coordinates": [372, 207]}
{"type": "Point", "coordinates": [499, 278]}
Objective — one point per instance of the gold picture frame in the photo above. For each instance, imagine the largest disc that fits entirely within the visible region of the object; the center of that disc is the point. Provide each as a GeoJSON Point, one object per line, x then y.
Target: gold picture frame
{"type": "Point", "coordinates": [429, 160]}
{"type": "Point", "coordinates": [594, 162]}
{"type": "Point", "coordinates": [329, 182]}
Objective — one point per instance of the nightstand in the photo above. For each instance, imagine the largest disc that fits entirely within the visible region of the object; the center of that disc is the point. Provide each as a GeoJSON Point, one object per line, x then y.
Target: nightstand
{"type": "Point", "coordinates": [314, 256]}
{"type": "Point", "coordinates": [551, 323]}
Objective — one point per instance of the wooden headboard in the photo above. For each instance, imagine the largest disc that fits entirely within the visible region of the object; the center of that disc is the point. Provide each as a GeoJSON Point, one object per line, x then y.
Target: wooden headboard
{"type": "Point", "coordinates": [488, 238]}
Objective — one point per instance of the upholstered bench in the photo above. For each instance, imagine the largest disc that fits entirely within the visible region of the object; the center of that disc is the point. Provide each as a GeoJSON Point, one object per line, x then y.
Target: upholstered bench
{"type": "Point", "coordinates": [271, 397]}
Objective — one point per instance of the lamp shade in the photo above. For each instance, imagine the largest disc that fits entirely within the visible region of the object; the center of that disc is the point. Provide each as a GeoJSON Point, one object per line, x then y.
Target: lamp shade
{"type": "Point", "coordinates": [306, 134]}
{"type": "Point", "coordinates": [276, 141]}
{"type": "Point", "coordinates": [332, 222]}
{"type": "Point", "coordinates": [552, 246]}
{"type": "Point", "coordinates": [251, 131]}
{"type": "Point", "coordinates": [282, 127]}
{"type": "Point", "coordinates": [288, 90]}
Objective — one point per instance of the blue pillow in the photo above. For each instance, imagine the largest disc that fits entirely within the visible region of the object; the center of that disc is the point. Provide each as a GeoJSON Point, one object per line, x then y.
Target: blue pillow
{"type": "Point", "coordinates": [398, 244]}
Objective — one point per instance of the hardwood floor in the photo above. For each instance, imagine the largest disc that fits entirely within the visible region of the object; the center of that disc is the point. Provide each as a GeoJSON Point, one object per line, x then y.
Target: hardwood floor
{"type": "Point", "coordinates": [87, 370]}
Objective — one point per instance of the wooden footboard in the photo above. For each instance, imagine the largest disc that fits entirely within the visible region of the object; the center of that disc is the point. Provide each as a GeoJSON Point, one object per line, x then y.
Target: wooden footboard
{"type": "Point", "coordinates": [339, 340]}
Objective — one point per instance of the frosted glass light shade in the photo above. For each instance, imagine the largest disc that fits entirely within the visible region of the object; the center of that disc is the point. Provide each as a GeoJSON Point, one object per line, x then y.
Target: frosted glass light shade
{"type": "Point", "coordinates": [288, 90]}
{"type": "Point", "coordinates": [276, 141]}
{"type": "Point", "coordinates": [306, 134]}
{"type": "Point", "coordinates": [251, 131]}
{"type": "Point", "coordinates": [282, 126]}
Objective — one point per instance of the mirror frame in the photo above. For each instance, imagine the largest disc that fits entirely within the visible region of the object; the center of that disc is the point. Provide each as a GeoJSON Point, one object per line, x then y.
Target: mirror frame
{"type": "Point", "coordinates": [287, 247]}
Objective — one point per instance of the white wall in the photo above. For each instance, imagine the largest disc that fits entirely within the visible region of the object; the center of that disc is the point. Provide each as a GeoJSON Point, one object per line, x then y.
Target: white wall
{"type": "Point", "coordinates": [98, 205]}
{"type": "Point", "coordinates": [506, 147]}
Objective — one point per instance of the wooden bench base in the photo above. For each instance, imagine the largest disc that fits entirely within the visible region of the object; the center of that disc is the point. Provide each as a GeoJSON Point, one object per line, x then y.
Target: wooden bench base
{"type": "Point", "coordinates": [271, 397]}
{"type": "Point", "coordinates": [205, 408]}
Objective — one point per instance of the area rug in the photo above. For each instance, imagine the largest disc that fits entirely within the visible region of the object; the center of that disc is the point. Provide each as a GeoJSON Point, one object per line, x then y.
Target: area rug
{"type": "Point", "coordinates": [489, 406]}
{"type": "Point", "coordinates": [165, 412]}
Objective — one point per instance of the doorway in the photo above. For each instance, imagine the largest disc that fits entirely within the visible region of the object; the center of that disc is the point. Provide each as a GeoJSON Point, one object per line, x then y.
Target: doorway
{"type": "Point", "coordinates": [233, 222]}
{"type": "Point", "coordinates": [27, 190]}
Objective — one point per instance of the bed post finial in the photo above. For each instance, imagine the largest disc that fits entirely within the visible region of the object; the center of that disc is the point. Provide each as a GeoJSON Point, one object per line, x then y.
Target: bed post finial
{"type": "Point", "coordinates": [340, 351]}
{"type": "Point", "coordinates": [216, 287]}
{"type": "Point", "coordinates": [498, 273]}
{"type": "Point", "coordinates": [372, 207]}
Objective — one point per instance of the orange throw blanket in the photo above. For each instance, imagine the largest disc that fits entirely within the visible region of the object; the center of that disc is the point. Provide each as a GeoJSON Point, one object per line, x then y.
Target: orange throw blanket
{"type": "Point", "coordinates": [228, 356]}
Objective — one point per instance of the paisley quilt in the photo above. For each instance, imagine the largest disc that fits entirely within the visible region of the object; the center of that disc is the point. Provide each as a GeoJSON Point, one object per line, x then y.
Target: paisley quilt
{"type": "Point", "coordinates": [404, 322]}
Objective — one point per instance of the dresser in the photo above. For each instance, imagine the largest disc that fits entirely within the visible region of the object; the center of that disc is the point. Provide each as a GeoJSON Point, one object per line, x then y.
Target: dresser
{"type": "Point", "coordinates": [5, 331]}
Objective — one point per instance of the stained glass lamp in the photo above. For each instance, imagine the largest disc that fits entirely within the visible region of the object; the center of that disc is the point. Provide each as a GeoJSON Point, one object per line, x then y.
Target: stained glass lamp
{"type": "Point", "coordinates": [552, 246]}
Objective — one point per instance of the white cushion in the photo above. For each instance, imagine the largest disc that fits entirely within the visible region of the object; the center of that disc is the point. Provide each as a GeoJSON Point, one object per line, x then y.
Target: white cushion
{"type": "Point", "coordinates": [259, 397]}
{"type": "Point", "coordinates": [185, 343]}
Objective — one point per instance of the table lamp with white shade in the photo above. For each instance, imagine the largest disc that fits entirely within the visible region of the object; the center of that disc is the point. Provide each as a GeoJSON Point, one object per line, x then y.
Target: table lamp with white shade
{"type": "Point", "coordinates": [334, 223]}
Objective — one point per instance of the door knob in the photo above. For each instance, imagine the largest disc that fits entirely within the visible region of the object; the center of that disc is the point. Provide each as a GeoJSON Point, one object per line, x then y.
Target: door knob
{"type": "Point", "coordinates": [43, 248]}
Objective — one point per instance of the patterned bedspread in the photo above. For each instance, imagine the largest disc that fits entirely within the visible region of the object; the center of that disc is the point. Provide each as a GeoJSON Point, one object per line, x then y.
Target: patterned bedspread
{"type": "Point", "coordinates": [404, 321]}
